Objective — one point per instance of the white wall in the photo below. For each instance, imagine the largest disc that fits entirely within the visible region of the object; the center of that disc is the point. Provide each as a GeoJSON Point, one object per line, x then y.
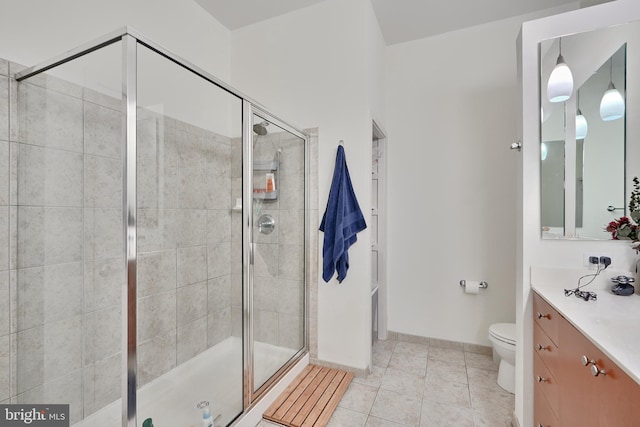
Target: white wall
{"type": "Point", "coordinates": [532, 250]}
{"type": "Point", "coordinates": [182, 27]}
{"type": "Point", "coordinates": [451, 204]}
{"type": "Point", "coordinates": [312, 66]}
{"type": "Point", "coordinates": [36, 30]}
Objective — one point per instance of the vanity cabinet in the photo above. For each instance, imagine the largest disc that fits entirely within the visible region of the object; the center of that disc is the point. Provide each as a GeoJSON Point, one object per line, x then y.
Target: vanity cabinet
{"type": "Point", "coordinates": [581, 386]}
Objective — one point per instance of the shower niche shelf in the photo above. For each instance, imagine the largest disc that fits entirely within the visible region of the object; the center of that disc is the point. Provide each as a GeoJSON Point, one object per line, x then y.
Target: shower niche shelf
{"type": "Point", "coordinates": [267, 166]}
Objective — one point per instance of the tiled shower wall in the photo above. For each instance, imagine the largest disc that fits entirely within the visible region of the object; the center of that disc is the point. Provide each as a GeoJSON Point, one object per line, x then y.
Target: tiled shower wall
{"type": "Point", "coordinates": [61, 243]}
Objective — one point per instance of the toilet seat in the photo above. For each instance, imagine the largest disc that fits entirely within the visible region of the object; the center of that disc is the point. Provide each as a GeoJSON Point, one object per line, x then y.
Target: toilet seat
{"type": "Point", "coordinates": [505, 332]}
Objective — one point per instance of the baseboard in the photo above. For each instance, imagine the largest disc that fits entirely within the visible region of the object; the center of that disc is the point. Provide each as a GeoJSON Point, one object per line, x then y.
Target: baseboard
{"type": "Point", "coordinates": [436, 342]}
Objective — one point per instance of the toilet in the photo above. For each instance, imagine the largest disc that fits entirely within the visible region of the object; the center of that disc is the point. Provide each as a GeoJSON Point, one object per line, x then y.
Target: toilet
{"type": "Point", "coordinates": [503, 340]}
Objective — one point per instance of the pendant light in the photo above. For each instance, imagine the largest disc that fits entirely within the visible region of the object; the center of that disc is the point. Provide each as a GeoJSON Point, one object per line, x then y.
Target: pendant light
{"type": "Point", "coordinates": [581, 122]}
{"type": "Point", "coordinates": [612, 103]}
{"type": "Point", "coordinates": [560, 84]}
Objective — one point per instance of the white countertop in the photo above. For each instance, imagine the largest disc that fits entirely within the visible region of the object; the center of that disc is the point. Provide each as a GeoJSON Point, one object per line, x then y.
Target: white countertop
{"type": "Point", "coordinates": [612, 323]}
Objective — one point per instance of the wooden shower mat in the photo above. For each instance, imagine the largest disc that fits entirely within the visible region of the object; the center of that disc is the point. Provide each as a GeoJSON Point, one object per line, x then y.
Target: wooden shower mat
{"type": "Point", "coordinates": [311, 398]}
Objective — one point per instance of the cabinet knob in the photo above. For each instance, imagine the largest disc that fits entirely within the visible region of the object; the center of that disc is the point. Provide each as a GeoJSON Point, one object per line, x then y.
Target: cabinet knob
{"type": "Point", "coordinates": [540, 379]}
{"type": "Point", "coordinates": [595, 371]}
{"type": "Point", "coordinates": [539, 425]}
{"type": "Point", "coordinates": [540, 316]}
{"type": "Point", "coordinates": [586, 361]}
{"type": "Point", "coordinates": [541, 347]}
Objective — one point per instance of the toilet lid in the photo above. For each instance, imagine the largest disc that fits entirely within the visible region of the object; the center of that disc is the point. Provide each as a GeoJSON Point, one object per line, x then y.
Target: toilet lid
{"type": "Point", "coordinates": [504, 332]}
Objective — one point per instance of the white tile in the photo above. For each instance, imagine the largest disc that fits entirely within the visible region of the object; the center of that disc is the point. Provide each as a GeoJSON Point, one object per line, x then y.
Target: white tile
{"type": "Point", "coordinates": [193, 188]}
{"type": "Point", "coordinates": [291, 261]}
{"type": "Point", "coordinates": [380, 422]}
{"type": "Point", "coordinates": [5, 367]}
{"type": "Point", "coordinates": [5, 303]}
{"type": "Point", "coordinates": [397, 407]}
{"type": "Point", "coordinates": [219, 259]}
{"type": "Point", "coordinates": [103, 234]}
{"type": "Point", "coordinates": [49, 118]}
{"type": "Point", "coordinates": [49, 177]}
{"type": "Point", "coordinates": [30, 370]}
{"type": "Point", "coordinates": [156, 272]}
{"type": "Point", "coordinates": [219, 326]}
{"type": "Point", "coordinates": [60, 229]}
{"type": "Point", "coordinates": [102, 131]}
{"type": "Point", "coordinates": [477, 360]}
{"type": "Point", "coordinates": [156, 357]}
{"type": "Point", "coordinates": [447, 354]}
{"type": "Point", "coordinates": [342, 417]}
{"type": "Point", "coordinates": [107, 333]}
{"type": "Point", "coordinates": [482, 419]}
{"type": "Point", "coordinates": [439, 415]}
{"type": "Point", "coordinates": [218, 226]}
{"type": "Point", "coordinates": [62, 348]}
{"type": "Point", "coordinates": [219, 293]}
{"type": "Point", "coordinates": [290, 331]}
{"type": "Point", "coordinates": [191, 227]}
{"type": "Point", "coordinates": [408, 363]}
{"type": "Point", "coordinates": [108, 381]}
{"type": "Point", "coordinates": [102, 182]}
{"type": "Point", "coordinates": [402, 382]}
{"type": "Point", "coordinates": [103, 281]}
{"type": "Point", "coordinates": [5, 168]}
{"type": "Point", "coordinates": [374, 379]}
{"type": "Point", "coordinates": [192, 303]}
{"type": "Point", "coordinates": [489, 400]}
{"type": "Point", "coordinates": [447, 392]}
{"type": "Point", "coordinates": [439, 369]}
{"type": "Point", "coordinates": [359, 398]}
{"type": "Point", "coordinates": [156, 315]}
{"type": "Point", "coordinates": [412, 349]}
{"type": "Point", "coordinates": [486, 378]}
{"type": "Point", "coordinates": [290, 297]}
{"type": "Point", "coordinates": [191, 265]}
{"type": "Point", "coordinates": [192, 339]}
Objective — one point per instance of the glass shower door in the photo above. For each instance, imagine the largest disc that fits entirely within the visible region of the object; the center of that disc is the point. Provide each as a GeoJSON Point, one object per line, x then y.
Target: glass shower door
{"type": "Point", "coordinates": [69, 264]}
{"type": "Point", "coordinates": [278, 247]}
{"type": "Point", "coordinates": [189, 272]}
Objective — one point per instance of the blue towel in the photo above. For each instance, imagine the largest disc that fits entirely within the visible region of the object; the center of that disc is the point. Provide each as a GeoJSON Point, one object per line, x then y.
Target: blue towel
{"type": "Point", "coordinates": [341, 221]}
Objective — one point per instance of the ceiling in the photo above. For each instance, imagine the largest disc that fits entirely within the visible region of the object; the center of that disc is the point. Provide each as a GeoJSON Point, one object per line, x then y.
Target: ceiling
{"type": "Point", "coordinates": [400, 20]}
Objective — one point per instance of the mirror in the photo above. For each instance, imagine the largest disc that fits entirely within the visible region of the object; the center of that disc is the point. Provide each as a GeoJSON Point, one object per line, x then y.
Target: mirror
{"type": "Point", "coordinates": [584, 171]}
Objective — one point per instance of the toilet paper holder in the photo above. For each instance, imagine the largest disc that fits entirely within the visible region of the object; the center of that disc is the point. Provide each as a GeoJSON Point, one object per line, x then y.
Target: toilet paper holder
{"type": "Point", "coordinates": [483, 284]}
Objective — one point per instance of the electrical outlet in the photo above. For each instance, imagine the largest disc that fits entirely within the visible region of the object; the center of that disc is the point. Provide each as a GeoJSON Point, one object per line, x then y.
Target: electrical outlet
{"type": "Point", "coordinates": [588, 257]}
{"type": "Point", "coordinates": [593, 260]}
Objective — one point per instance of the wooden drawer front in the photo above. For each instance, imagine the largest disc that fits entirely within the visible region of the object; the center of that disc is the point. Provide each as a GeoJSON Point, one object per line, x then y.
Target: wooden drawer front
{"type": "Point", "coordinates": [547, 317]}
{"type": "Point", "coordinates": [543, 415]}
{"type": "Point", "coordinates": [546, 349]}
{"type": "Point", "coordinates": [546, 383]}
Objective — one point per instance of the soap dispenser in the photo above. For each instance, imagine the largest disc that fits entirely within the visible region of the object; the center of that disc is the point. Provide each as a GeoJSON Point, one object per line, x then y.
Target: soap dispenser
{"type": "Point", "coordinates": [207, 419]}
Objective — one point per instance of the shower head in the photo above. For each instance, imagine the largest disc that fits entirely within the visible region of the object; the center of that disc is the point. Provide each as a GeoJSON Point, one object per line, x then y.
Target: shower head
{"type": "Point", "coordinates": [261, 128]}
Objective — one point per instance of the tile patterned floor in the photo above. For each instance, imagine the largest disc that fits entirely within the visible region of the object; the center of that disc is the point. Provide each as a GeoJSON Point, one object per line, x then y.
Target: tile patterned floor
{"type": "Point", "coordinates": [419, 385]}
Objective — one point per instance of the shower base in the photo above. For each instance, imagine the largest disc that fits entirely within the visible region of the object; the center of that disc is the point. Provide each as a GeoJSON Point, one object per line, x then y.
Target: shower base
{"type": "Point", "coordinates": [214, 375]}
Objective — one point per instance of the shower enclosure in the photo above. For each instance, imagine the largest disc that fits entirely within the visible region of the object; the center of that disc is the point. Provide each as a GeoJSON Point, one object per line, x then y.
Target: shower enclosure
{"type": "Point", "coordinates": [158, 239]}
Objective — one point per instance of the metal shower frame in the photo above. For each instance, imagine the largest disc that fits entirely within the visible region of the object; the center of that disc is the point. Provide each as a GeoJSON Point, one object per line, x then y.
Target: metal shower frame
{"type": "Point", "coordinates": [130, 40]}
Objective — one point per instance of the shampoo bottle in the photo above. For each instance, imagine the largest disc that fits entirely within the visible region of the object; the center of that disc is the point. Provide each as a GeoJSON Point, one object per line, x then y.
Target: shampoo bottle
{"type": "Point", "coordinates": [271, 185]}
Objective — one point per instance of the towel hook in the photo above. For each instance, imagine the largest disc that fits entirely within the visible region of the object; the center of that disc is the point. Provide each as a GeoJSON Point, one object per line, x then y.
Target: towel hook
{"type": "Point", "coordinates": [341, 142]}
